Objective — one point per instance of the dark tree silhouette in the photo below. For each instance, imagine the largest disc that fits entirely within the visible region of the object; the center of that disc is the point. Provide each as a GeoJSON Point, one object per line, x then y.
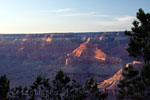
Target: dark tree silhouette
{"type": "Point", "coordinates": [4, 87]}
{"type": "Point", "coordinates": [18, 93]}
{"type": "Point", "coordinates": [40, 89]}
{"type": "Point", "coordinates": [65, 89]}
{"type": "Point", "coordinates": [92, 92]}
{"type": "Point", "coordinates": [135, 84]}
{"type": "Point", "coordinates": [139, 45]}
{"type": "Point", "coordinates": [61, 88]}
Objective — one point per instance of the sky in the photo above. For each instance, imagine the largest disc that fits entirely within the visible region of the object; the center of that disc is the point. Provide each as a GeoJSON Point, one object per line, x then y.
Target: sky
{"type": "Point", "coordinates": [48, 16]}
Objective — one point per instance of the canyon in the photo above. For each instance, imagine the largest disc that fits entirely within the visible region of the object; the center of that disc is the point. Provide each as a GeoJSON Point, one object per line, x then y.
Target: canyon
{"type": "Point", "coordinates": [80, 55]}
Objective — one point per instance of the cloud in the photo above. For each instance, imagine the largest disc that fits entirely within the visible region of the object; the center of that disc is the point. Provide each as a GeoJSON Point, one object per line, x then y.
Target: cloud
{"type": "Point", "coordinates": [118, 21]}
{"type": "Point", "coordinates": [125, 18]}
{"type": "Point", "coordinates": [59, 10]}
{"type": "Point", "coordinates": [62, 10]}
{"type": "Point", "coordinates": [86, 14]}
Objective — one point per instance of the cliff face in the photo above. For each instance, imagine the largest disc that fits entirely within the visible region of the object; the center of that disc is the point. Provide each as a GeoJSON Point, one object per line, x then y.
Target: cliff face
{"type": "Point", "coordinates": [110, 84]}
{"type": "Point", "coordinates": [80, 55]}
{"type": "Point", "coordinates": [86, 53]}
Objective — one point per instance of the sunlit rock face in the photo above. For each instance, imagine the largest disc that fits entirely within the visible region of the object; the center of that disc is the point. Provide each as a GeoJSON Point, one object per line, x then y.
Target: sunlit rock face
{"type": "Point", "coordinates": [80, 55]}
{"type": "Point", "coordinates": [78, 51]}
{"type": "Point", "coordinates": [86, 53]}
{"type": "Point", "coordinates": [84, 48]}
{"type": "Point", "coordinates": [100, 55]}
{"type": "Point", "coordinates": [110, 84]}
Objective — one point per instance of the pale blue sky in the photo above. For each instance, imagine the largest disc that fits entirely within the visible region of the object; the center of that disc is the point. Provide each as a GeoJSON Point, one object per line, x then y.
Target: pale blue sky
{"type": "Point", "coordinates": [44, 16]}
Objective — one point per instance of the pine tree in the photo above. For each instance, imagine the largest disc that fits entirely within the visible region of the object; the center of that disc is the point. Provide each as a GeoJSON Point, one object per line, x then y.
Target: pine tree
{"type": "Point", "coordinates": [139, 45]}
{"type": "Point", "coordinates": [40, 89]}
{"type": "Point", "coordinates": [64, 88]}
{"type": "Point", "coordinates": [61, 86]}
{"type": "Point", "coordinates": [4, 87]}
{"type": "Point", "coordinates": [18, 93]}
{"type": "Point", "coordinates": [131, 87]}
{"type": "Point", "coordinates": [135, 84]}
{"type": "Point", "coordinates": [92, 92]}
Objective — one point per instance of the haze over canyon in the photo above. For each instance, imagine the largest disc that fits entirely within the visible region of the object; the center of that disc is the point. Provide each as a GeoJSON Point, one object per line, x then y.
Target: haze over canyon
{"type": "Point", "coordinates": [80, 55]}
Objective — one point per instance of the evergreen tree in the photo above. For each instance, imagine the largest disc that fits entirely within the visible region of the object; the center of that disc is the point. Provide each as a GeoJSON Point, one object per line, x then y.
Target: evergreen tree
{"type": "Point", "coordinates": [139, 45]}
{"type": "Point", "coordinates": [135, 84]}
{"type": "Point", "coordinates": [131, 87]}
{"type": "Point", "coordinates": [76, 92]}
{"type": "Point", "coordinates": [18, 93]}
{"type": "Point", "coordinates": [92, 92]}
{"type": "Point", "coordinates": [65, 89]}
{"type": "Point", "coordinates": [4, 87]}
{"type": "Point", "coordinates": [40, 89]}
{"type": "Point", "coordinates": [61, 86]}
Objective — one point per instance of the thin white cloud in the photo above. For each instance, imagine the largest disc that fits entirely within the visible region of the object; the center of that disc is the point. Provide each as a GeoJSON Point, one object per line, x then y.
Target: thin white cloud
{"type": "Point", "coordinates": [86, 14]}
{"type": "Point", "coordinates": [125, 18]}
{"type": "Point", "coordinates": [62, 10]}
{"type": "Point", "coordinates": [119, 21]}
{"type": "Point", "coordinates": [59, 10]}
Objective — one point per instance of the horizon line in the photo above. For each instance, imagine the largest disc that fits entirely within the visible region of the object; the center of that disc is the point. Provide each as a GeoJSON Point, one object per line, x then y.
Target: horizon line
{"type": "Point", "coordinates": [61, 32]}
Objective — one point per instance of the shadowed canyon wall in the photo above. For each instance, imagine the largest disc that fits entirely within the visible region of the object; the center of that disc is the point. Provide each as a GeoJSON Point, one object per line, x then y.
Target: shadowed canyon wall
{"type": "Point", "coordinates": [80, 55]}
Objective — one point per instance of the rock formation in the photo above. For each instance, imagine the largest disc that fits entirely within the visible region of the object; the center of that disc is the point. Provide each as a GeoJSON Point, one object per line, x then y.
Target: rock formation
{"type": "Point", "coordinates": [80, 55]}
